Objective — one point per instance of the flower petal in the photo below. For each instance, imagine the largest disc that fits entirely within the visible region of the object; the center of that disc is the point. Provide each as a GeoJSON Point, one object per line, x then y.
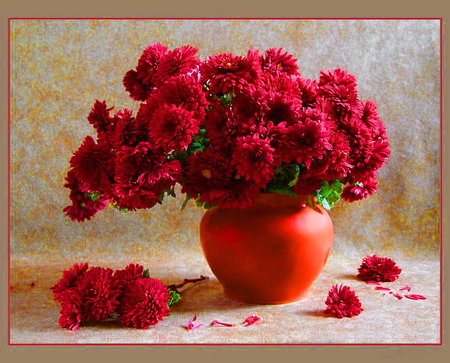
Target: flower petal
{"type": "Point", "coordinates": [252, 319]}
{"type": "Point", "coordinates": [191, 326]}
{"type": "Point", "coordinates": [216, 322]}
{"type": "Point", "coordinates": [415, 297]}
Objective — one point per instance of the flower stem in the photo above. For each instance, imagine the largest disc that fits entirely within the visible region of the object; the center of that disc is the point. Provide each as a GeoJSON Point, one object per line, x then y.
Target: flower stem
{"type": "Point", "coordinates": [187, 281]}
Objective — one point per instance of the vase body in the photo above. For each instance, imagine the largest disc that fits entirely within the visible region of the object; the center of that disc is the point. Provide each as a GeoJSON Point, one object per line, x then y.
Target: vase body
{"type": "Point", "coordinates": [269, 253]}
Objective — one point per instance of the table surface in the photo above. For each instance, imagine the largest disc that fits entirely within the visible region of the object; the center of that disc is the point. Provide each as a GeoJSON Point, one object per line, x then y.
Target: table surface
{"type": "Point", "coordinates": [385, 319]}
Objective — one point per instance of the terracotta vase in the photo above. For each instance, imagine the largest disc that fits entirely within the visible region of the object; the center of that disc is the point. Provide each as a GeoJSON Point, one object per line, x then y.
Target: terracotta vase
{"type": "Point", "coordinates": [269, 253]}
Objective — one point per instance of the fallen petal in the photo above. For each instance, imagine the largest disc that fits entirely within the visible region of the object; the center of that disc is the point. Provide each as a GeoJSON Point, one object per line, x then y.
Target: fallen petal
{"type": "Point", "coordinates": [373, 283]}
{"type": "Point", "coordinates": [407, 288]}
{"type": "Point", "coordinates": [415, 297]}
{"type": "Point", "coordinates": [252, 319]}
{"type": "Point", "coordinates": [398, 296]}
{"type": "Point", "coordinates": [190, 325]}
{"type": "Point", "coordinates": [216, 322]}
{"type": "Point", "coordinates": [382, 288]}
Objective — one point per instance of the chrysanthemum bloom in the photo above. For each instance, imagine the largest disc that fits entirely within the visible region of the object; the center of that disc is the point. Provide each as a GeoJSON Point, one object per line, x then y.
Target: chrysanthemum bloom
{"type": "Point", "coordinates": [342, 302]}
{"type": "Point", "coordinates": [172, 128]}
{"type": "Point", "coordinates": [99, 117]}
{"type": "Point", "coordinates": [306, 140]}
{"type": "Point", "coordinates": [99, 291]}
{"type": "Point", "coordinates": [128, 130]}
{"type": "Point", "coordinates": [148, 64]}
{"type": "Point", "coordinates": [68, 281]}
{"type": "Point", "coordinates": [83, 207]}
{"type": "Point", "coordinates": [359, 191]}
{"type": "Point", "coordinates": [337, 77]}
{"type": "Point", "coordinates": [178, 61]}
{"type": "Point", "coordinates": [375, 268]}
{"type": "Point", "coordinates": [227, 73]}
{"type": "Point", "coordinates": [207, 174]}
{"type": "Point", "coordinates": [130, 273]}
{"type": "Point", "coordinates": [281, 107]}
{"type": "Point", "coordinates": [144, 303]}
{"type": "Point", "coordinates": [253, 158]}
{"type": "Point", "coordinates": [221, 126]}
{"type": "Point", "coordinates": [281, 83]}
{"type": "Point", "coordinates": [71, 312]}
{"type": "Point", "coordinates": [90, 164]}
{"type": "Point", "coordinates": [184, 91]}
{"type": "Point", "coordinates": [308, 89]}
{"type": "Point", "coordinates": [130, 195]}
{"type": "Point", "coordinates": [134, 86]}
{"type": "Point", "coordinates": [275, 61]}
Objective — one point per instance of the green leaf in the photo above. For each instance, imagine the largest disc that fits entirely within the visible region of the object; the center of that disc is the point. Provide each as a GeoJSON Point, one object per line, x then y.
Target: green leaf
{"type": "Point", "coordinates": [174, 297]}
{"type": "Point", "coordinates": [186, 200]}
{"type": "Point", "coordinates": [203, 204]}
{"type": "Point", "coordinates": [329, 194]}
{"type": "Point", "coordinates": [282, 189]}
{"type": "Point", "coordinates": [118, 208]}
{"type": "Point", "coordinates": [146, 273]}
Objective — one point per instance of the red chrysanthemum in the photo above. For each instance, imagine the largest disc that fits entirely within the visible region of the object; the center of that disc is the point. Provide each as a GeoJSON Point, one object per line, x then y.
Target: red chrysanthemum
{"type": "Point", "coordinates": [90, 164]}
{"type": "Point", "coordinates": [342, 302]}
{"type": "Point", "coordinates": [308, 89]}
{"type": "Point", "coordinates": [71, 312]}
{"type": "Point", "coordinates": [99, 116]}
{"type": "Point", "coordinates": [128, 130]}
{"type": "Point", "coordinates": [359, 191]}
{"type": "Point", "coordinates": [281, 107]}
{"type": "Point", "coordinates": [278, 61]}
{"type": "Point", "coordinates": [253, 158]}
{"type": "Point", "coordinates": [281, 83]}
{"type": "Point", "coordinates": [337, 77]}
{"type": "Point", "coordinates": [130, 273]}
{"type": "Point", "coordinates": [148, 64]}
{"type": "Point", "coordinates": [375, 268]}
{"type": "Point", "coordinates": [306, 140]}
{"type": "Point", "coordinates": [99, 291]}
{"type": "Point", "coordinates": [172, 128]}
{"type": "Point", "coordinates": [221, 126]}
{"type": "Point", "coordinates": [134, 86]}
{"type": "Point", "coordinates": [178, 61]}
{"type": "Point", "coordinates": [184, 91]}
{"type": "Point", "coordinates": [68, 282]}
{"type": "Point", "coordinates": [227, 73]}
{"type": "Point", "coordinates": [144, 303]}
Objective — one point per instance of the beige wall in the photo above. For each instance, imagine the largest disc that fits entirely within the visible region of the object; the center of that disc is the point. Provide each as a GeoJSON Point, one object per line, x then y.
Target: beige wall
{"type": "Point", "coordinates": [59, 68]}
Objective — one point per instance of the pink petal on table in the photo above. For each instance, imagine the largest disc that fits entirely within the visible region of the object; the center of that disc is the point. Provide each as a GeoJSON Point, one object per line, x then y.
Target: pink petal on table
{"type": "Point", "coordinates": [382, 288]}
{"type": "Point", "coordinates": [373, 283]}
{"type": "Point", "coordinates": [398, 296]}
{"type": "Point", "coordinates": [415, 297]}
{"type": "Point", "coordinates": [407, 288]}
{"type": "Point", "coordinates": [216, 322]}
{"type": "Point", "coordinates": [190, 325]}
{"type": "Point", "coordinates": [252, 319]}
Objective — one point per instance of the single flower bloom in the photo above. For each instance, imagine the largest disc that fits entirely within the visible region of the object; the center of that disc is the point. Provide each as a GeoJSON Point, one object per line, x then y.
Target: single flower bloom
{"type": "Point", "coordinates": [99, 116]}
{"type": "Point", "coordinates": [144, 303]}
{"type": "Point", "coordinates": [375, 268]}
{"type": "Point", "coordinates": [71, 312]}
{"type": "Point", "coordinates": [134, 86]}
{"type": "Point", "coordinates": [277, 61]}
{"type": "Point", "coordinates": [342, 302]}
{"type": "Point", "coordinates": [191, 325]}
{"type": "Point", "coordinates": [99, 291]}
{"type": "Point", "coordinates": [68, 281]}
{"type": "Point", "coordinates": [359, 191]}
{"type": "Point", "coordinates": [148, 64]}
{"type": "Point", "coordinates": [172, 128]}
{"type": "Point", "coordinates": [130, 273]}
{"type": "Point", "coordinates": [181, 60]}
{"type": "Point", "coordinates": [253, 158]}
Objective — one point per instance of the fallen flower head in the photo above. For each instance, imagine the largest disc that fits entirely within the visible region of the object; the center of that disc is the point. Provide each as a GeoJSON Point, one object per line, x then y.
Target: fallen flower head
{"type": "Point", "coordinates": [375, 268]}
{"type": "Point", "coordinates": [342, 302]}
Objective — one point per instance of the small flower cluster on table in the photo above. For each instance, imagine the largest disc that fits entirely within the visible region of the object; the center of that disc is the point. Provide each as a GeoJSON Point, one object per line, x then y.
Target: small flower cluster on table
{"type": "Point", "coordinates": [139, 301]}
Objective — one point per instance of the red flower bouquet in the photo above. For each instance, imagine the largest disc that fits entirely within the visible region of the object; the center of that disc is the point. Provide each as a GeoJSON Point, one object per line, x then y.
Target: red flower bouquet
{"type": "Point", "coordinates": [227, 128]}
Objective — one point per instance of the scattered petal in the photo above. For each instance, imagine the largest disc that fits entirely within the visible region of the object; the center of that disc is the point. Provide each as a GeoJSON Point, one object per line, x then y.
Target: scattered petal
{"type": "Point", "coordinates": [191, 326]}
{"type": "Point", "coordinates": [398, 296]}
{"type": "Point", "coordinates": [415, 297]}
{"type": "Point", "coordinates": [382, 288]}
{"type": "Point", "coordinates": [388, 293]}
{"type": "Point", "coordinates": [216, 322]}
{"type": "Point", "coordinates": [252, 319]}
{"type": "Point", "coordinates": [407, 288]}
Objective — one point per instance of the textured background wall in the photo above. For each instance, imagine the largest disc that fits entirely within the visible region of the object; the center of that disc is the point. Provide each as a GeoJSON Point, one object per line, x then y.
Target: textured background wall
{"type": "Point", "coordinates": [59, 68]}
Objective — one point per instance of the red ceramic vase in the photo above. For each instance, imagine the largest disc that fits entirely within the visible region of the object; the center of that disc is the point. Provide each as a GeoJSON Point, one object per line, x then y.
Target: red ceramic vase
{"type": "Point", "coordinates": [269, 253]}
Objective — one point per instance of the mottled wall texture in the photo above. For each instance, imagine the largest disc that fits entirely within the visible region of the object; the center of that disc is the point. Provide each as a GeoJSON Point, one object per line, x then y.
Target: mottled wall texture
{"type": "Point", "coordinates": [60, 67]}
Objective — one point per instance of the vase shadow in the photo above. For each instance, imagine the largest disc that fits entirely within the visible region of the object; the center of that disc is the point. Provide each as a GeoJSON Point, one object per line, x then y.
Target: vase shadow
{"type": "Point", "coordinates": [206, 296]}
